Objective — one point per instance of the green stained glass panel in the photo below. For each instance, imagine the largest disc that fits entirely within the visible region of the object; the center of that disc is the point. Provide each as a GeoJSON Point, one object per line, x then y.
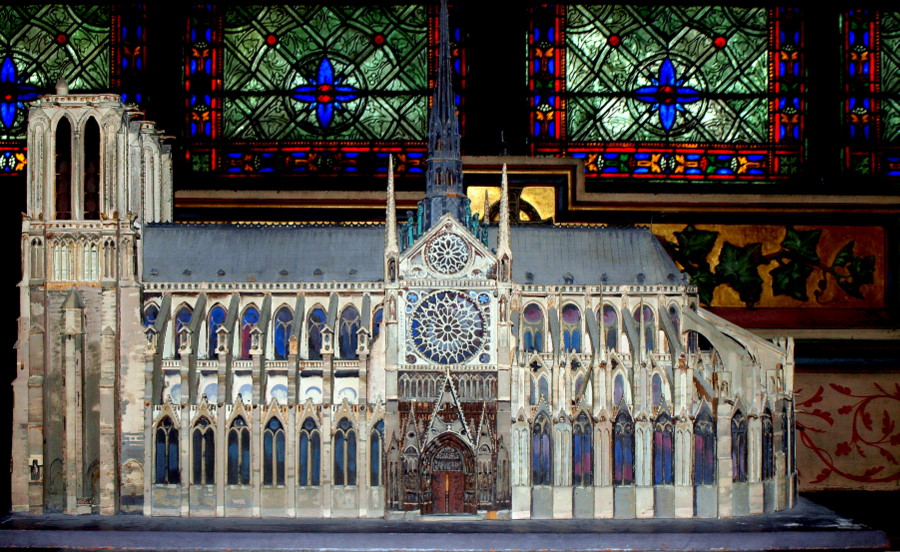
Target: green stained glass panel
{"type": "Point", "coordinates": [890, 76]}
{"type": "Point", "coordinates": [716, 56]}
{"type": "Point", "coordinates": [325, 72]}
{"type": "Point", "coordinates": [46, 42]}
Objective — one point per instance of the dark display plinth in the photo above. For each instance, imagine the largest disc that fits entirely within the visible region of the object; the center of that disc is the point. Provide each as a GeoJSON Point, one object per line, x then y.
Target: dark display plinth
{"type": "Point", "coordinates": [806, 527]}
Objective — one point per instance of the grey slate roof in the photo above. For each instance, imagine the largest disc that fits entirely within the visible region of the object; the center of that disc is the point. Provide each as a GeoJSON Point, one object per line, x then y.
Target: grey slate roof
{"type": "Point", "coordinates": [229, 253]}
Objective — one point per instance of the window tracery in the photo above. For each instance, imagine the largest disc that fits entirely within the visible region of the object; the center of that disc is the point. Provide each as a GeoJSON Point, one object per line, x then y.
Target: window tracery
{"type": "Point", "coordinates": [167, 467]}
{"type": "Point", "coordinates": [310, 454]}
{"type": "Point", "coordinates": [345, 453]}
{"type": "Point", "coordinates": [273, 452]}
{"type": "Point", "coordinates": [239, 452]}
{"type": "Point", "coordinates": [204, 452]}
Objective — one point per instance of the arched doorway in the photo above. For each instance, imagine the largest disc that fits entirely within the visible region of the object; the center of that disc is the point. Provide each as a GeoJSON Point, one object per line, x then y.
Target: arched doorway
{"type": "Point", "coordinates": [449, 478]}
{"type": "Point", "coordinates": [448, 481]}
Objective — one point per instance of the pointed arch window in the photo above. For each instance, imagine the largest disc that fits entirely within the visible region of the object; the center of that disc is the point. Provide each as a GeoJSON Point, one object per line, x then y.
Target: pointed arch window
{"type": "Point", "coordinates": [151, 313]}
{"type": "Point", "coordinates": [663, 443]}
{"type": "Point", "coordinates": [167, 471]}
{"type": "Point", "coordinates": [571, 326]}
{"type": "Point", "coordinates": [204, 452]}
{"type": "Point", "coordinates": [345, 453]}
{"type": "Point", "coordinates": [248, 323]}
{"type": "Point", "coordinates": [92, 169]}
{"type": "Point", "coordinates": [768, 446]}
{"type": "Point", "coordinates": [310, 454]}
{"type": "Point", "coordinates": [611, 326]}
{"type": "Point", "coordinates": [645, 315]}
{"type": "Point", "coordinates": [739, 448]}
{"type": "Point", "coordinates": [541, 453]}
{"type": "Point", "coordinates": [182, 319]}
{"type": "Point", "coordinates": [239, 452]}
{"type": "Point", "coordinates": [215, 321]}
{"type": "Point", "coordinates": [376, 322]}
{"type": "Point", "coordinates": [63, 199]}
{"type": "Point", "coordinates": [273, 452]}
{"type": "Point", "coordinates": [704, 449]}
{"type": "Point", "coordinates": [376, 444]}
{"type": "Point", "coordinates": [348, 333]}
{"type": "Point", "coordinates": [315, 324]}
{"type": "Point", "coordinates": [533, 329]}
{"type": "Point", "coordinates": [582, 452]}
{"type": "Point", "coordinates": [623, 449]}
{"type": "Point", "coordinates": [284, 323]}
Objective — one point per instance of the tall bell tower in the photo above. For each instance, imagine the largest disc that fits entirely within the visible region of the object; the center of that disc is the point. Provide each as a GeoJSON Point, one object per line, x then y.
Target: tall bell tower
{"type": "Point", "coordinates": [96, 174]}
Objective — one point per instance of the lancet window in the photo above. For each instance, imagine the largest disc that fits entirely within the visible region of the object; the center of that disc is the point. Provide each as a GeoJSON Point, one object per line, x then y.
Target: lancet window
{"type": "Point", "coordinates": [239, 452]}
{"type": "Point", "coordinates": [704, 449]}
{"type": "Point", "coordinates": [611, 325]}
{"type": "Point", "coordinates": [63, 170]}
{"type": "Point", "coordinates": [151, 313]}
{"type": "Point", "coordinates": [582, 452]}
{"type": "Point", "coordinates": [623, 449]}
{"type": "Point", "coordinates": [376, 444]}
{"type": "Point", "coordinates": [91, 170]}
{"type": "Point", "coordinates": [348, 333]}
{"type": "Point", "coordinates": [310, 454]}
{"type": "Point", "coordinates": [571, 327]}
{"type": "Point", "coordinates": [541, 453]}
{"type": "Point", "coordinates": [533, 328]}
{"type": "Point", "coordinates": [376, 322]}
{"type": "Point", "coordinates": [345, 453]}
{"type": "Point", "coordinates": [273, 452]}
{"type": "Point", "coordinates": [663, 444]}
{"type": "Point", "coordinates": [315, 324]}
{"type": "Point", "coordinates": [644, 315]}
{"type": "Point", "coordinates": [284, 322]}
{"type": "Point", "coordinates": [214, 322]}
{"type": "Point", "coordinates": [204, 452]}
{"type": "Point", "coordinates": [182, 319]}
{"type": "Point", "coordinates": [248, 323]}
{"type": "Point", "coordinates": [167, 470]}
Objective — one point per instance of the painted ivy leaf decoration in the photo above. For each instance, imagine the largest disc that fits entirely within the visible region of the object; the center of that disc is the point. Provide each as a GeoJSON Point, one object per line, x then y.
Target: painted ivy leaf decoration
{"type": "Point", "coordinates": [694, 245]}
{"type": "Point", "coordinates": [790, 279]}
{"type": "Point", "coordinates": [853, 272]}
{"type": "Point", "coordinates": [691, 250]}
{"type": "Point", "coordinates": [738, 268]}
{"type": "Point", "coordinates": [802, 244]}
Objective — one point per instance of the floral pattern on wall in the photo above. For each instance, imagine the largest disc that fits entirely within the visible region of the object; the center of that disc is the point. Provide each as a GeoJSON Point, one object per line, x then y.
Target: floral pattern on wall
{"type": "Point", "coordinates": [848, 436]}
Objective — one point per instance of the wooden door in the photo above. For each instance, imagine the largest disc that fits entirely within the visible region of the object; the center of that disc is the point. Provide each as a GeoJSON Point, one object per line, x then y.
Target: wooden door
{"type": "Point", "coordinates": [447, 492]}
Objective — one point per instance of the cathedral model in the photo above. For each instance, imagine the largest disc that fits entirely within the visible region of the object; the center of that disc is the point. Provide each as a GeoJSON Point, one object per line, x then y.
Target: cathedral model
{"type": "Point", "coordinates": [437, 366]}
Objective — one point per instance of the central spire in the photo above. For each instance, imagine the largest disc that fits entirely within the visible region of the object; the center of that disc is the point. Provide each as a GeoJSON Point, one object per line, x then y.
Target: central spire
{"type": "Point", "coordinates": [443, 177]}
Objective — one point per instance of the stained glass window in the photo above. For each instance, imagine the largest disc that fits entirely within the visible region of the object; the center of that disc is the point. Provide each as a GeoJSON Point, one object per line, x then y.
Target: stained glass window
{"type": "Point", "coordinates": [541, 464]}
{"type": "Point", "coordinates": [238, 453]}
{"type": "Point", "coordinates": [167, 471]}
{"type": "Point", "coordinates": [582, 467]}
{"type": "Point", "coordinates": [310, 454]}
{"type": "Point", "coordinates": [704, 449]}
{"type": "Point", "coordinates": [284, 321]}
{"type": "Point", "coordinates": [273, 453]}
{"type": "Point", "coordinates": [321, 89]}
{"type": "Point", "coordinates": [871, 83]}
{"type": "Point", "coordinates": [248, 323]}
{"type": "Point", "coordinates": [204, 452]}
{"type": "Point", "coordinates": [216, 319]}
{"type": "Point", "coordinates": [623, 449]}
{"type": "Point", "coordinates": [663, 442]}
{"type": "Point", "coordinates": [680, 93]}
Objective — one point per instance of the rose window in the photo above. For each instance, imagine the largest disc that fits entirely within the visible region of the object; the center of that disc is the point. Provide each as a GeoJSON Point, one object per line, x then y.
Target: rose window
{"type": "Point", "coordinates": [447, 328]}
{"type": "Point", "coordinates": [447, 254]}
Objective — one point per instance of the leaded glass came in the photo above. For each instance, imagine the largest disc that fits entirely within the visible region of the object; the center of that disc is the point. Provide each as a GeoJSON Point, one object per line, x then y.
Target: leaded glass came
{"type": "Point", "coordinates": [669, 92]}
{"type": "Point", "coordinates": [314, 71]}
